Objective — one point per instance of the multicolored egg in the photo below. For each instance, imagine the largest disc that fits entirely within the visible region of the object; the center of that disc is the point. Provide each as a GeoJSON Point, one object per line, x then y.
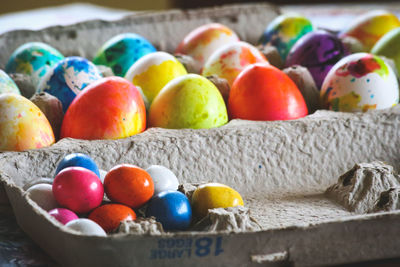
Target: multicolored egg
{"type": "Point", "coordinates": [7, 85]}
{"type": "Point", "coordinates": [360, 82]}
{"type": "Point", "coordinates": [370, 27]}
{"type": "Point", "coordinates": [205, 40]}
{"type": "Point", "coordinates": [228, 61]}
{"type": "Point", "coordinates": [388, 46]}
{"type": "Point", "coordinates": [33, 59]}
{"type": "Point", "coordinates": [23, 125]}
{"type": "Point", "coordinates": [284, 31]}
{"type": "Point", "coordinates": [153, 71]}
{"type": "Point", "coordinates": [68, 78]}
{"type": "Point", "coordinates": [318, 51]}
{"type": "Point", "coordinates": [120, 52]}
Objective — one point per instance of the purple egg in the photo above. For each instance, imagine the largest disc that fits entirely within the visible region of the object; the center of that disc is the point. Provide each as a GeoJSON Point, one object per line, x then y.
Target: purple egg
{"type": "Point", "coordinates": [63, 215]}
{"type": "Point", "coordinates": [318, 51]}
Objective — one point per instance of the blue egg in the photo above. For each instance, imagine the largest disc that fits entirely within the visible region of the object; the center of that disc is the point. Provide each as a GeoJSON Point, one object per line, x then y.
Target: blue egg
{"type": "Point", "coordinates": [172, 209]}
{"type": "Point", "coordinates": [68, 78]}
{"type": "Point", "coordinates": [78, 160]}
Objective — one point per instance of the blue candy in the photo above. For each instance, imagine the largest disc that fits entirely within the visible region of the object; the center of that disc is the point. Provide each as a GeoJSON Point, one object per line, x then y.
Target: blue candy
{"type": "Point", "coordinates": [78, 160]}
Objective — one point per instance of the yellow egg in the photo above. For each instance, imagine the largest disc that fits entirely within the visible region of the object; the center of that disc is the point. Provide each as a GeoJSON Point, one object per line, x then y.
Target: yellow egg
{"type": "Point", "coordinates": [214, 195]}
{"type": "Point", "coordinates": [153, 71]}
{"type": "Point", "coordinates": [22, 124]}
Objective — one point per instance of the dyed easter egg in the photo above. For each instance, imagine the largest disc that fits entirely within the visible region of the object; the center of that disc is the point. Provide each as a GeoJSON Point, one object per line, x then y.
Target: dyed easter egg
{"type": "Point", "coordinates": [23, 125]}
{"type": "Point", "coordinates": [68, 78]}
{"type": "Point", "coordinates": [7, 85]}
{"type": "Point", "coordinates": [153, 71]}
{"type": "Point", "coordinates": [360, 82]}
{"type": "Point", "coordinates": [129, 185]}
{"type": "Point", "coordinates": [110, 108]}
{"type": "Point", "coordinates": [63, 215]}
{"type": "Point", "coordinates": [78, 160]}
{"type": "Point", "coordinates": [318, 51]}
{"type": "Point", "coordinates": [228, 61]}
{"type": "Point", "coordinates": [371, 26]}
{"type": "Point", "coordinates": [163, 178]}
{"type": "Point", "coordinates": [86, 227]}
{"type": "Point", "coordinates": [214, 195]}
{"type": "Point", "coordinates": [109, 216]}
{"type": "Point", "coordinates": [42, 195]}
{"type": "Point", "coordinates": [120, 52]}
{"type": "Point", "coordinates": [262, 92]}
{"type": "Point", "coordinates": [189, 101]}
{"type": "Point", "coordinates": [284, 31]}
{"type": "Point", "coordinates": [388, 46]}
{"type": "Point", "coordinates": [33, 59]}
{"type": "Point", "coordinates": [205, 40]}
{"type": "Point", "coordinates": [78, 189]}
{"type": "Point", "coordinates": [172, 209]}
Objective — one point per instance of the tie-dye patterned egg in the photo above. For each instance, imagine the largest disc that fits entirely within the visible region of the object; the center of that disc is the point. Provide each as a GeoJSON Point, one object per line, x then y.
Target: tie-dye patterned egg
{"type": "Point", "coordinates": [205, 40]}
{"type": "Point", "coordinates": [68, 78]}
{"type": "Point", "coordinates": [228, 61]}
{"type": "Point", "coordinates": [360, 82]}
{"type": "Point", "coordinates": [120, 52]}
{"type": "Point", "coordinates": [33, 59]}
{"type": "Point", "coordinates": [7, 85]}
{"type": "Point", "coordinates": [153, 71]}
{"type": "Point", "coordinates": [284, 31]}
{"type": "Point", "coordinates": [370, 27]}
{"type": "Point", "coordinates": [23, 126]}
{"type": "Point", "coordinates": [388, 46]}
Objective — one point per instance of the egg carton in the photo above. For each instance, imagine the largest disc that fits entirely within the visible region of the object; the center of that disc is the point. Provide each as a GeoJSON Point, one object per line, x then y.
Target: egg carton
{"type": "Point", "coordinates": [281, 168]}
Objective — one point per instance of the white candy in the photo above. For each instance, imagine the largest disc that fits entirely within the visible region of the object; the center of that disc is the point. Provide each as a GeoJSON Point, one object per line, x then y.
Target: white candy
{"type": "Point", "coordinates": [42, 194]}
{"type": "Point", "coordinates": [163, 178]}
{"type": "Point", "coordinates": [86, 227]}
{"type": "Point", "coordinates": [103, 174]}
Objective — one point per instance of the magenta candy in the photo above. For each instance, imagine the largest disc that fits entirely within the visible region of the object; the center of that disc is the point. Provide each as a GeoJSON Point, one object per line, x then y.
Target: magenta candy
{"type": "Point", "coordinates": [63, 215]}
{"type": "Point", "coordinates": [78, 189]}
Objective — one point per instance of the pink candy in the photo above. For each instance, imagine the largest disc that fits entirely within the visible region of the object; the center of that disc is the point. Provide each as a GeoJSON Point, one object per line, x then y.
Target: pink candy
{"type": "Point", "coordinates": [63, 215]}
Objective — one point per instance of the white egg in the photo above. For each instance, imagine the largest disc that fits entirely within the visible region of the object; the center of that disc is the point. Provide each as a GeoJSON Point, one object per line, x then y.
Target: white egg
{"type": "Point", "coordinates": [42, 194]}
{"type": "Point", "coordinates": [163, 178]}
{"type": "Point", "coordinates": [86, 227]}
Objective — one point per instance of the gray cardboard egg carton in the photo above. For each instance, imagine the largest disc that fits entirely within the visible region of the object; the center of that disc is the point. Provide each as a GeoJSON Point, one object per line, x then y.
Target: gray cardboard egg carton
{"type": "Point", "coordinates": [281, 168]}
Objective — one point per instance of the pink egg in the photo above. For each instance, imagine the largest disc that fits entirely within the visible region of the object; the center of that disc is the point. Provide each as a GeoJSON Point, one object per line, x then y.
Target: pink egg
{"type": "Point", "coordinates": [78, 189]}
{"type": "Point", "coordinates": [63, 215]}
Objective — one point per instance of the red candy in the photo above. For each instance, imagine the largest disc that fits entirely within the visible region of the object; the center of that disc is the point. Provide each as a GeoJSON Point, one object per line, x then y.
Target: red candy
{"type": "Point", "coordinates": [109, 216]}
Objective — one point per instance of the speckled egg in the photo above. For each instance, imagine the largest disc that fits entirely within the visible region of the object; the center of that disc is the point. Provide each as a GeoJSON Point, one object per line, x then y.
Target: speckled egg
{"type": "Point", "coordinates": [284, 31]}
{"type": "Point", "coordinates": [120, 52]}
{"type": "Point", "coordinates": [22, 124]}
{"type": "Point", "coordinates": [360, 82]}
{"type": "Point", "coordinates": [388, 46]}
{"type": "Point", "coordinates": [318, 51]}
{"type": "Point", "coordinates": [33, 59]}
{"type": "Point", "coordinates": [153, 71]}
{"type": "Point", "coordinates": [7, 85]}
{"type": "Point", "coordinates": [228, 61]}
{"type": "Point", "coordinates": [370, 27]}
{"type": "Point", "coordinates": [205, 40]}
{"type": "Point", "coordinates": [68, 78]}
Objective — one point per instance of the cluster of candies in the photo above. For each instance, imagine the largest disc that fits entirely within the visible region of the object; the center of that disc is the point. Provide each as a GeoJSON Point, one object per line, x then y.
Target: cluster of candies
{"type": "Point", "coordinates": [79, 187]}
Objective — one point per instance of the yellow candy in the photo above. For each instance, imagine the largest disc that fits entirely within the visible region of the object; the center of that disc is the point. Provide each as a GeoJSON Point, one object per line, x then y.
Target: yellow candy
{"type": "Point", "coordinates": [214, 195]}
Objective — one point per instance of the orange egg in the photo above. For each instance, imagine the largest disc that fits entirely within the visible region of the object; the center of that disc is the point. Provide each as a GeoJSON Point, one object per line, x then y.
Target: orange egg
{"type": "Point", "coordinates": [129, 185]}
{"type": "Point", "coordinates": [109, 216]}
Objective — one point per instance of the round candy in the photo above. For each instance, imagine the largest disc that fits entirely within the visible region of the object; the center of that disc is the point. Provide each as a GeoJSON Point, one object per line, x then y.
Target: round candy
{"type": "Point", "coordinates": [110, 108]}
{"type": "Point", "coordinates": [33, 59]}
{"type": "Point", "coordinates": [68, 78]}
{"type": "Point", "coordinates": [214, 195]}
{"type": "Point", "coordinates": [284, 31]}
{"type": "Point", "coordinates": [318, 51]}
{"type": "Point", "coordinates": [228, 61]}
{"type": "Point", "coordinates": [153, 71]}
{"type": "Point", "coordinates": [189, 101]}
{"type": "Point", "coordinates": [263, 92]}
{"type": "Point", "coordinates": [109, 216]}
{"type": "Point", "coordinates": [172, 209]}
{"type": "Point", "coordinates": [360, 82]}
{"type": "Point", "coordinates": [23, 125]}
{"type": "Point", "coordinates": [78, 189]}
{"type": "Point", "coordinates": [120, 52]}
{"type": "Point", "coordinates": [63, 215]}
{"type": "Point", "coordinates": [78, 160]}
{"type": "Point", "coordinates": [388, 46]}
{"type": "Point", "coordinates": [7, 85]}
{"type": "Point", "coordinates": [164, 179]}
{"type": "Point", "coordinates": [43, 196]}
{"type": "Point", "coordinates": [129, 185]}
{"type": "Point", "coordinates": [86, 227]}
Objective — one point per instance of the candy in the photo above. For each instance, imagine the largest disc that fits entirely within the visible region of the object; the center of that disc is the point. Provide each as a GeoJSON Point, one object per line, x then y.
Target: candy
{"type": "Point", "coordinates": [42, 195]}
{"type": "Point", "coordinates": [163, 178]}
{"type": "Point", "coordinates": [86, 227]}
{"type": "Point", "coordinates": [63, 215]}
{"type": "Point", "coordinates": [78, 160]}
{"type": "Point", "coordinates": [109, 216]}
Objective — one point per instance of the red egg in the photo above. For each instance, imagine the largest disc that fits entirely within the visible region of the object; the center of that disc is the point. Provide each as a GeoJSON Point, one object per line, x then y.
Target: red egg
{"type": "Point", "coordinates": [262, 92]}
{"type": "Point", "coordinates": [110, 108]}
{"type": "Point", "coordinates": [78, 189]}
{"type": "Point", "coordinates": [109, 216]}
